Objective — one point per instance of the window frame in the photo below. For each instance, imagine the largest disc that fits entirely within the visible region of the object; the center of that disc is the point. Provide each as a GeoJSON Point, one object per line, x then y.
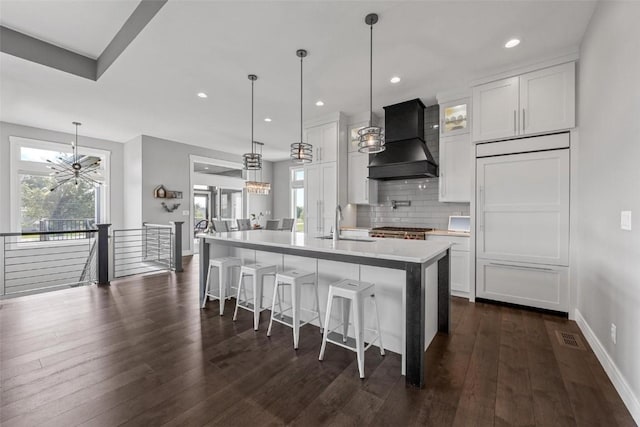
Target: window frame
{"type": "Point", "coordinates": [293, 186]}
{"type": "Point", "coordinates": [19, 166]}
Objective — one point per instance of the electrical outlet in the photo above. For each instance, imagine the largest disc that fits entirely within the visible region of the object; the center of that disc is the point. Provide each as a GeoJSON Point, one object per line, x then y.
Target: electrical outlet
{"type": "Point", "coordinates": [613, 333]}
{"type": "Point", "coordinates": [185, 213]}
{"type": "Point", "coordinates": [625, 220]}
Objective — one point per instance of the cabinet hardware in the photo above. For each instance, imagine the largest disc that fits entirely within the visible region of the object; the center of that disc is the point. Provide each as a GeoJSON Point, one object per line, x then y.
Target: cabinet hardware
{"type": "Point", "coordinates": [481, 205]}
{"type": "Point", "coordinates": [515, 129]}
{"type": "Point", "coordinates": [443, 189]}
{"type": "Point", "coordinates": [523, 120]}
{"type": "Point", "coordinates": [520, 267]}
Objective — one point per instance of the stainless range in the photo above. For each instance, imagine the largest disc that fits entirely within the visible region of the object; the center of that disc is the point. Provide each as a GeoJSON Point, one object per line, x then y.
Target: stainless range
{"type": "Point", "coordinates": [410, 233]}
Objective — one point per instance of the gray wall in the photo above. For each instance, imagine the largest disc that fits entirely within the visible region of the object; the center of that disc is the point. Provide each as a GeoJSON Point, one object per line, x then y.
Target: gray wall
{"type": "Point", "coordinates": [425, 210]}
{"type": "Point", "coordinates": [116, 165]}
{"type": "Point", "coordinates": [167, 162]}
{"type": "Point", "coordinates": [133, 177]}
{"type": "Point", "coordinates": [608, 178]}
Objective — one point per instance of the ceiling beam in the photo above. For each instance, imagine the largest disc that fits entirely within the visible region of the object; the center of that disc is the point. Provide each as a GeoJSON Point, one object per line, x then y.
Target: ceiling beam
{"type": "Point", "coordinates": [35, 50]}
{"type": "Point", "coordinates": [139, 19]}
{"type": "Point", "coordinates": [26, 47]}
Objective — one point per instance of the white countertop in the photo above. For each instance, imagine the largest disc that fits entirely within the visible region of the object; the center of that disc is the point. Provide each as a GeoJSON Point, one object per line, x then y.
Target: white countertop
{"type": "Point", "coordinates": [418, 251]}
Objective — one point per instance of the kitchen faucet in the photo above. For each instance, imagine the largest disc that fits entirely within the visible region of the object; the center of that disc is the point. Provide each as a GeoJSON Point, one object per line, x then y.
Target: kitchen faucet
{"type": "Point", "coordinates": [336, 223]}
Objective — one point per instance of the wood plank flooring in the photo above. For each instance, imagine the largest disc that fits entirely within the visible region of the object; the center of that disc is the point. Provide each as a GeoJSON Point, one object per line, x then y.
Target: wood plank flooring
{"type": "Point", "coordinates": [141, 352]}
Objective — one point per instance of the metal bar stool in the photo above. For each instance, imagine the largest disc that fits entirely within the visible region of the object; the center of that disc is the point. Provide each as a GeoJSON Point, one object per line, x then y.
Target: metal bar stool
{"type": "Point", "coordinates": [258, 273]}
{"type": "Point", "coordinates": [295, 279]}
{"type": "Point", "coordinates": [224, 266]}
{"type": "Point", "coordinates": [352, 292]}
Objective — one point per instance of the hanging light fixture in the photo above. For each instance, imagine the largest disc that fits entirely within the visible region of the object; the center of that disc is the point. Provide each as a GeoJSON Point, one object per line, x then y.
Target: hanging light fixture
{"type": "Point", "coordinates": [252, 160]}
{"type": "Point", "coordinates": [75, 170]}
{"type": "Point", "coordinates": [258, 187]}
{"type": "Point", "coordinates": [371, 138]}
{"type": "Point", "coordinates": [301, 152]}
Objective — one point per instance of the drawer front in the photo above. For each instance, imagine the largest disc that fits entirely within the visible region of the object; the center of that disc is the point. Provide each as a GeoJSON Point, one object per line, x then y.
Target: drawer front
{"type": "Point", "coordinates": [526, 284]}
{"type": "Point", "coordinates": [460, 243]}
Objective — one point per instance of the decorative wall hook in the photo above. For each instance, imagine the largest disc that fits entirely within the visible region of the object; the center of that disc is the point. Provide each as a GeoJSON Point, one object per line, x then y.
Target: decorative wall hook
{"type": "Point", "coordinates": [172, 208]}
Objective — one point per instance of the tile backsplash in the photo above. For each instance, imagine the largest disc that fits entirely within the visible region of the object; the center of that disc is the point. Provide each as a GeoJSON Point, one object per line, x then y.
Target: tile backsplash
{"type": "Point", "coordinates": [425, 209]}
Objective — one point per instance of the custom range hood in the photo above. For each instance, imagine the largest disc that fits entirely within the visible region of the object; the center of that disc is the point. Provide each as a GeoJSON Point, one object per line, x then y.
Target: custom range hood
{"type": "Point", "coordinates": [406, 155]}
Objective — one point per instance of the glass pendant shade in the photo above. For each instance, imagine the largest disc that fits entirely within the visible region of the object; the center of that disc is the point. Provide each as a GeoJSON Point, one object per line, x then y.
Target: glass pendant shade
{"type": "Point", "coordinates": [252, 161]}
{"type": "Point", "coordinates": [371, 140]}
{"type": "Point", "coordinates": [301, 152]}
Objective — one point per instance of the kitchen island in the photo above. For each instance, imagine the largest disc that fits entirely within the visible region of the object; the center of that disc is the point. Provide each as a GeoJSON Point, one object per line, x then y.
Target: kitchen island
{"type": "Point", "coordinates": [413, 268]}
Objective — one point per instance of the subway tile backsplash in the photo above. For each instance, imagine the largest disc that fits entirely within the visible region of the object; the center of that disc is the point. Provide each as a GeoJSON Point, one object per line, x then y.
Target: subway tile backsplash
{"type": "Point", "coordinates": [425, 209]}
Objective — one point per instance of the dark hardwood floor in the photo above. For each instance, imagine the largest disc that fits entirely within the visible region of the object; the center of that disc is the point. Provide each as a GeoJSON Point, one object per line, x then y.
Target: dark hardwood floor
{"type": "Point", "coordinates": [141, 352]}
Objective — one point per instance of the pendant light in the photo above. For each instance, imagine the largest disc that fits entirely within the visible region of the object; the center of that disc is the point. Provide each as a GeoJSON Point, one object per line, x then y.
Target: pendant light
{"type": "Point", "coordinates": [252, 160]}
{"type": "Point", "coordinates": [75, 170]}
{"type": "Point", "coordinates": [371, 138]}
{"type": "Point", "coordinates": [258, 186]}
{"type": "Point", "coordinates": [301, 152]}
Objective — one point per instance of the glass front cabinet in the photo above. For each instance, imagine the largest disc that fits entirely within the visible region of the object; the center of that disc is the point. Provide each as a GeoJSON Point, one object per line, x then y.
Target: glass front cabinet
{"type": "Point", "coordinates": [454, 117]}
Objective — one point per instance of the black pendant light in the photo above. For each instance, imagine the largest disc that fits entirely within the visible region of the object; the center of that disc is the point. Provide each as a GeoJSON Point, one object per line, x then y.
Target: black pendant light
{"type": "Point", "coordinates": [75, 170]}
{"type": "Point", "coordinates": [252, 160]}
{"type": "Point", "coordinates": [371, 138]}
{"type": "Point", "coordinates": [301, 152]}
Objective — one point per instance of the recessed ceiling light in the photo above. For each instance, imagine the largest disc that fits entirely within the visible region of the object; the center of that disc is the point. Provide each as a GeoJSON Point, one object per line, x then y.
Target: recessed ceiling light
{"type": "Point", "coordinates": [267, 119]}
{"type": "Point", "coordinates": [202, 95]}
{"type": "Point", "coordinates": [512, 43]}
{"type": "Point", "coordinates": [319, 103]}
{"type": "Point", "coordinates": [395, 79]}
{"type": "Point", "coordinates": [206, 167]}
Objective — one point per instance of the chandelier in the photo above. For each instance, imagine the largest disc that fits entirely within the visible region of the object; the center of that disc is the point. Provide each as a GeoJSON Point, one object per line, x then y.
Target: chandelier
{"type": "Point", "coordinates": [301, 152]}
{"type": "Point", "coordinates": [371, 138]}
{"type": "Point", "coordinates": [76, 169]}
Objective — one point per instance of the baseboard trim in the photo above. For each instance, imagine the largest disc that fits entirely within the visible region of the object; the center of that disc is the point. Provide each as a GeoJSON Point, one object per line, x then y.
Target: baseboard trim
{"type": "Point", "coordinates": [622, 387]}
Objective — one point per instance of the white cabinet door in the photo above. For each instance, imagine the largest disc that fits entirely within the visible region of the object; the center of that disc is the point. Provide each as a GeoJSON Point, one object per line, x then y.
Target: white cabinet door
{"type": "Point", "coordinates": [312, 197]}
{"type": "Point", "coordinates": [455, 169]}
{"type": "Point", "coordinates": [324, 139]}
{"type": "Point", "coordinates": [523, 207]}
{"type": "Point", "coordinates": [495, 110]}
{"type": "Point", "coordinates": [329, 199]}
{"type": "Point", "coordinates": [329, 150]}
{"type": "Point", "coordinates": [547, 99]}
{"type": "Point", "coordinates": [526, 284]}
{"type": "Point", "coordinates": [460, 272]}
{"type": "Point", "coordinates": [362, 190]}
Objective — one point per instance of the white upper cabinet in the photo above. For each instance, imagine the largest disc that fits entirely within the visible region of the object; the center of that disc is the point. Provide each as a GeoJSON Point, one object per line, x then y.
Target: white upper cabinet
{"type": "Point", "coordinates": [547, 99]}
{"type": "Point", "coordinates": [362, 190]}
{"type": "Point", "coordinates": [324, 139]}
{"type": "Point", "coordinates": [532, 103]}
{"type": "Point", "coordinates": [455, 169]}
{"type": "Point", "coordinates": [495, 110]}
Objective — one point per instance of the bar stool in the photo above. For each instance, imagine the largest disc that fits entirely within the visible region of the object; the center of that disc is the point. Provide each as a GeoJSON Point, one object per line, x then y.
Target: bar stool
{"type": "Point", "coordinates": [224, 265]}
{"type": "Point", "coordinates": [258, 273]}
{"type": "Point", "coordinates": [295, 279]}
{"type": "Point", "coordinates": [352, 291]}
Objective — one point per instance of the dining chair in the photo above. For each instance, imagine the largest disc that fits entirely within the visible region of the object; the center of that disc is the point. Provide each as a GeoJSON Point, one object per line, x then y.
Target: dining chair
{"type": "Point", "coordinates": [287, 224]}
{"type": "Point", "coordinates": [200, 227]}
{"type": "Point", "coordinates": [229, 224]}
{"type": "Point", "coordinates": [244, 224]}
{"type": "Point", "coordinates": [272, 224]}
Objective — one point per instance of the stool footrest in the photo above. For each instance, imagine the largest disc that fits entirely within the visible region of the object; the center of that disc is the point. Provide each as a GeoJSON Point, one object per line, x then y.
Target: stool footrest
{"type": "Point", "coordinates": [288, 320]}
{"type": "Point", "coordinates": [336, 338]}
{"type": "Point", "coordinates": [248, 306]}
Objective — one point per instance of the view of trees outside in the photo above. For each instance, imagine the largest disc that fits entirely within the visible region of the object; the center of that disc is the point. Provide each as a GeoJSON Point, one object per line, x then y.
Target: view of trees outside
{"type": "Point", "coordinates": [67, 202]}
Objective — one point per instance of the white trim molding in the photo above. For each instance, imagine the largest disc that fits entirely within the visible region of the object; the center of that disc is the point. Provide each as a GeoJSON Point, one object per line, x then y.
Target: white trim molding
{"type": "Point", "coordinates": [619, 382]}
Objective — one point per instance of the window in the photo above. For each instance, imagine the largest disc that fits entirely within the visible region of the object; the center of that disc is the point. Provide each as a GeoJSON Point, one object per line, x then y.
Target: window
{"type": "Point", "coordinates": [297, 197]}
{"type": "Point", "coordinates": [69, 207]}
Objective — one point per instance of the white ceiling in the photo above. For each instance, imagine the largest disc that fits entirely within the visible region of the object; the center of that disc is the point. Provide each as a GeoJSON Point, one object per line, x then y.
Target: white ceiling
{"type": "Point", "coordinates": [193, 46]}
{"type": "Point", "coordinates": [85, 27]}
